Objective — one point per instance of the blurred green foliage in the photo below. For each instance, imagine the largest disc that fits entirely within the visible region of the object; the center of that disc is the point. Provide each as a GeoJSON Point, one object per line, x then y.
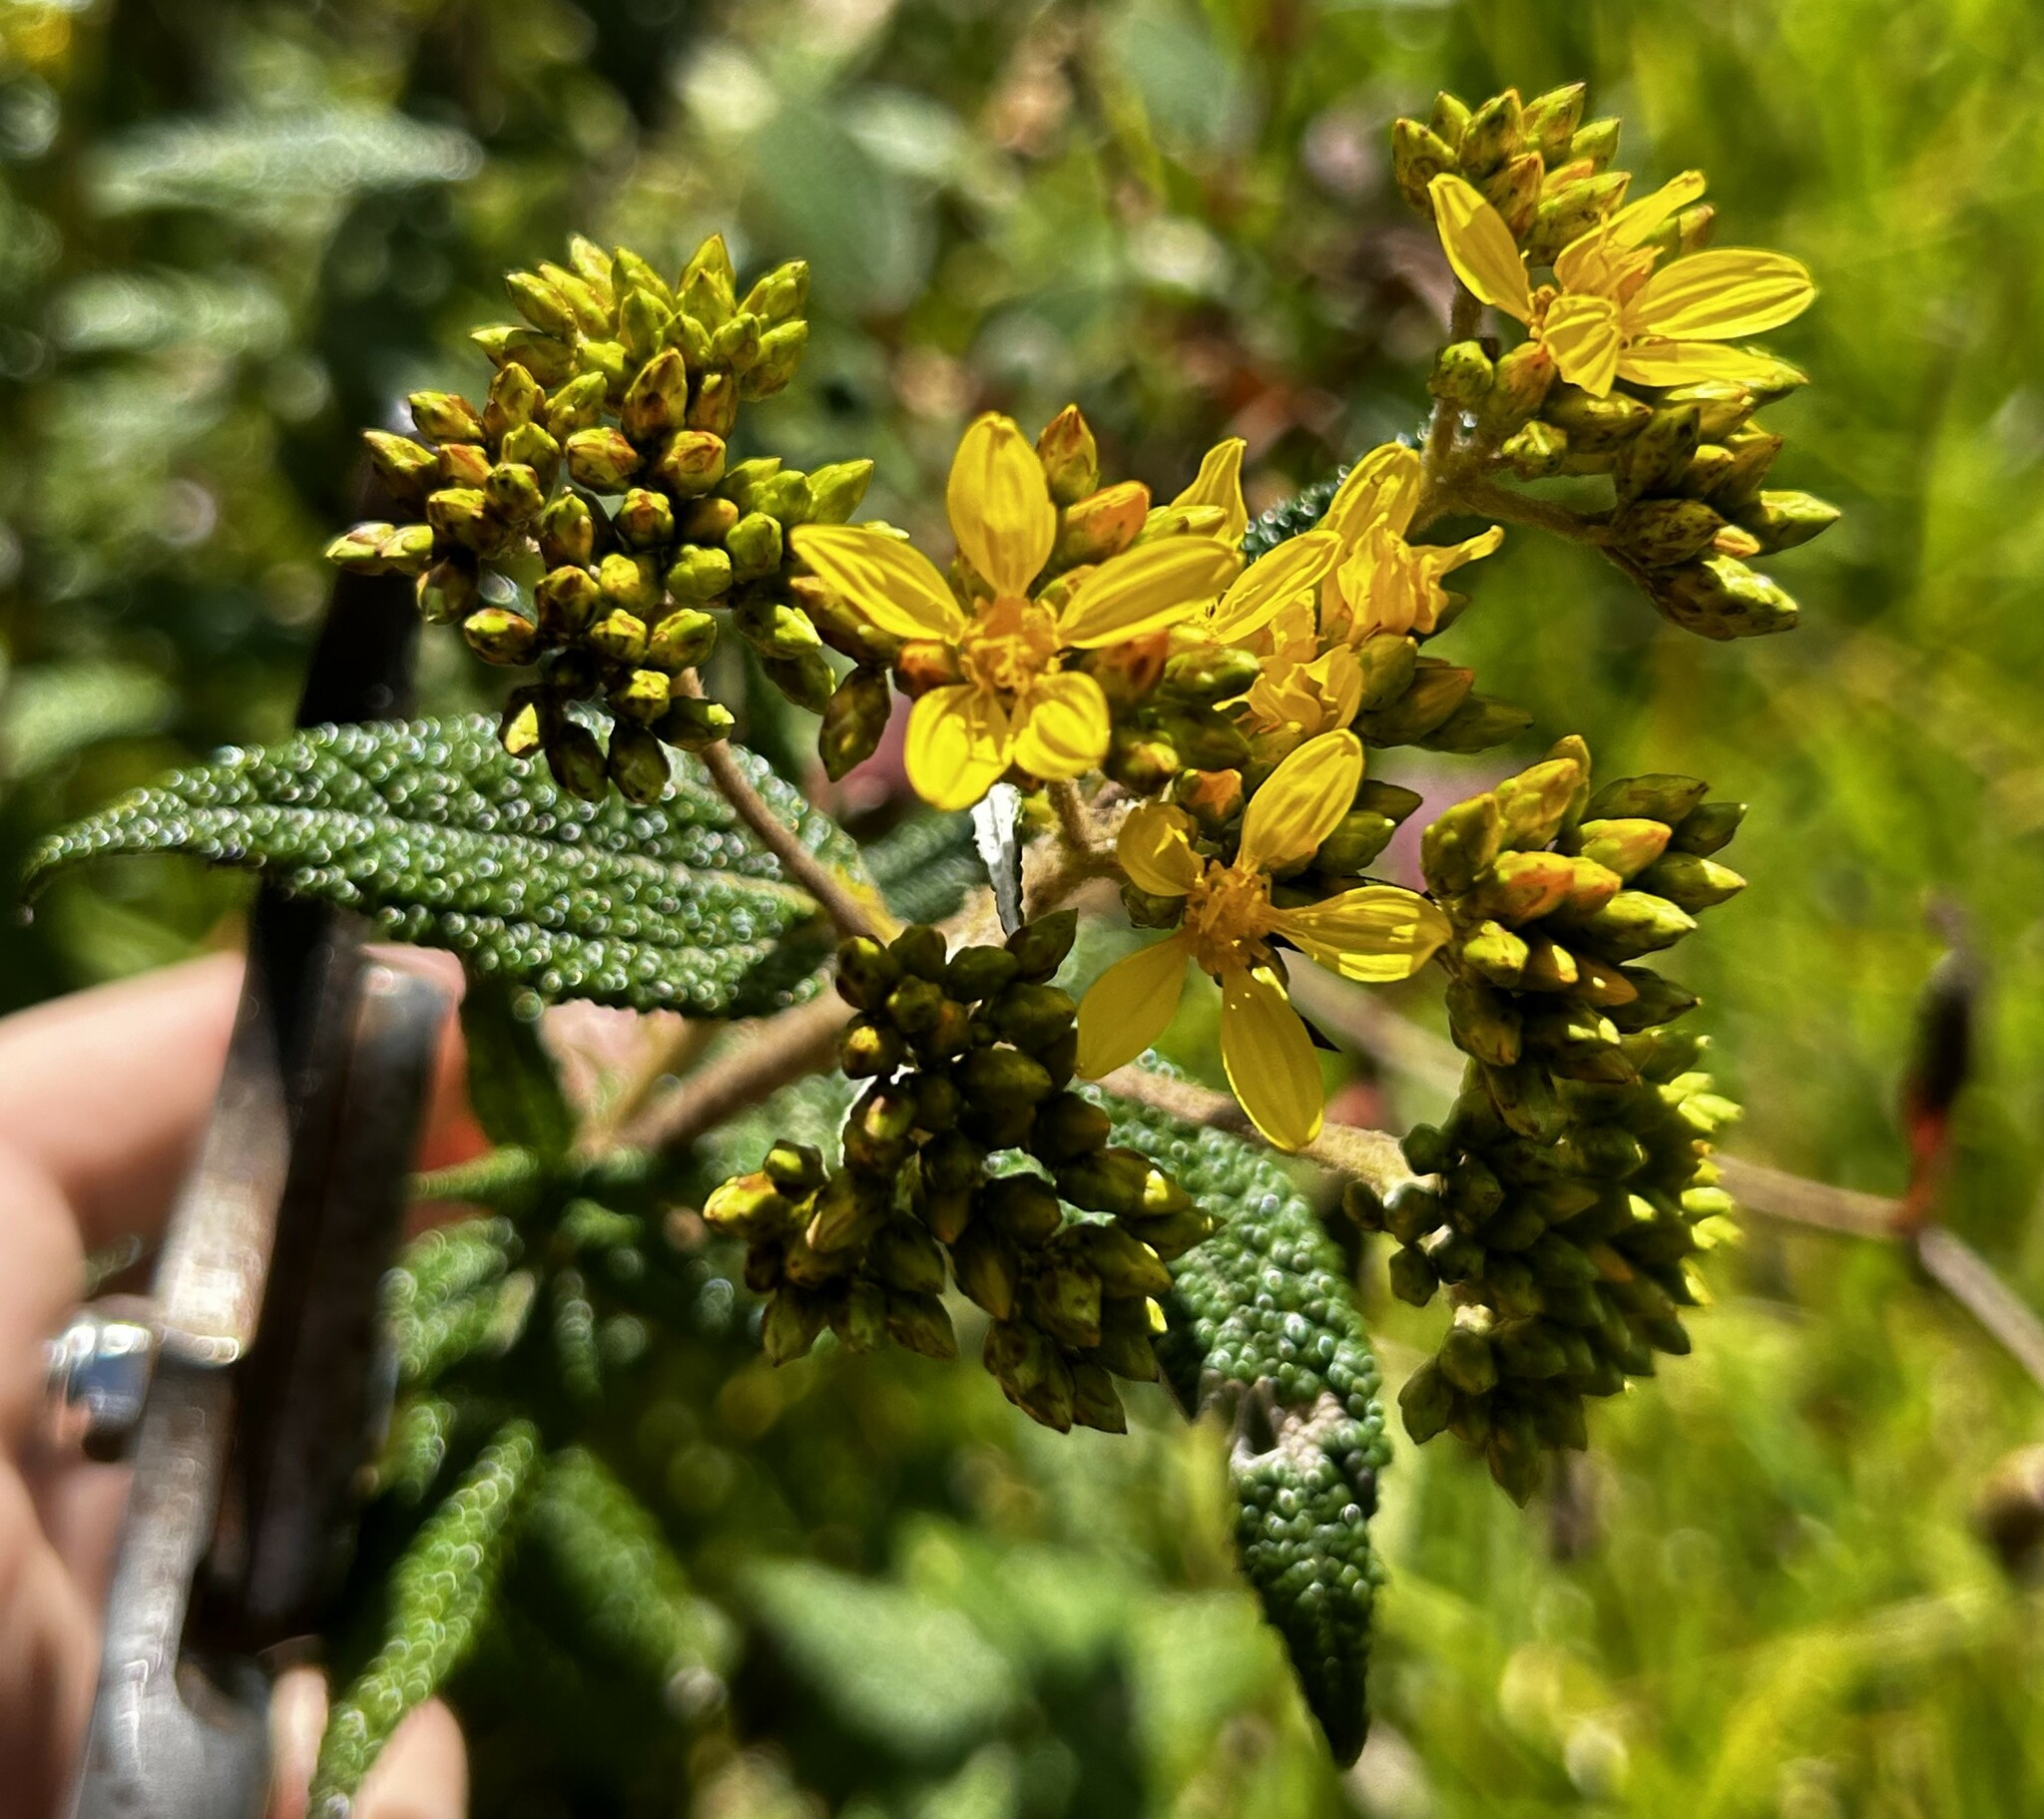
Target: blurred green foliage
{"type": "Point", "coordinates": [231, 233]}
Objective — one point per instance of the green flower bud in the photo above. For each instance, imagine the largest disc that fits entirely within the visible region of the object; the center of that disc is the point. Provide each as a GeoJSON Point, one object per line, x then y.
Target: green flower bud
{"type": "Point", "coordinates": [1594, 423]}
{"type": "Point", "coordinates": [860, 1318]}
{"type": "Point", "coordinates": [1660, 533]}
{"type": "Point", "coordinates": [1463, 372]}
{"type": "Point", "coordinates": [790, 1324]}
{"type": "Point", "coordinates": [637, 760]}
{"type": "Point", "coordinates": [1723, 405]}
{"type": "Point", "coordinates": [836, 490]}
{"type": "Point", "coordinates": [599, 459]}
{"type": "Point", "coordinates": [1483, 1023]}
{"type": "Point", "coordinates": [1435, 691]}
{"type": "Point", "coordinates": [867, 973]}
{"type": "Point", "coordinates": [715, 408]}
{"type": "Point", "coordinates": [643, 323]}
{"type": "Point", "coordinates": [691, 462]}
{"type": "Point", "coordinates": [1040, 946]}
{"type": "Point", "coordinates": [1492, 135]}
{"type": "Point", "coordinates": [698, 574]}
{"type": "Point", "coordinates": [541, 305]}
{"type": "Point", "coordinates": [1172, 1235]}
{"type": "Point", "coordinates": [691, 724]}
{"type": "Point", "coordinates": [1413, 1276]}
{"type": "Point", "coordinates": [1634, 923]}
{"type": "Point", "coordinates": [1449, 118]}
{"type": "Point", "coordinates": [644, 519]}
{"type": "Point", "coordinates": [1549, 120]}
{"type": "Point", "coordinates": [853, 720]}
{"type": "Point", "coordinates": [499, 635]}
{"type": "Point", "coordinates": [514, 492]}
{"type": "Point", "coordinates": [785, 495]}
{"type": "Point", "coordinates": [755, 546]}
{"type": "Point", "coordinates": [578, 763]}
{"type": "Point", "coordinates": [1597, 142]}
{"type": "Point", "coordinates": [952, 1162]}
{"type": "Point", "coordinates": [1389, 660]}
{"type": "Point", "coordinates": [914, 1004]}
{"type": "Point", "coordinates": [1418, 156]}
{"type": "Point", "coordinates": [1424, 1401]}
{"type": "Point", "coordinates": [780, 352]}
{"type": "Point", "coordinates": [1210, 675]}
{"type": "Point", "coordinates": [1124, 1267]}
{"type": "Point", "coordinates": [1495, 953]}
{"type": "Point", "coordinates": [641, 697]}
{"type": "Point", "coordinates": [1655, 460]}
{"type": "Point", "coordinates": [848, 1209]}
{"type": "Point", "coordinates": [578, 405]}
{"type": "Point", "coordinates": [1063, 1298]}
{"type": "Point", "coordinates": [1094, 1401]}
{"type": "Point", "coordinates": [461, 514]}
{"type": "Point", "coordinates": [1519, 384]}
{"type": "Point", "coordinates": [548, 360]}
{"type": "Point", "coordinates": [988, 1273]}
{"type": "Point", "coordinates": [905, 1256]}
{"type": "Point", "coordinates": [938, 1099]}
{"type": "Point", "coordinates": [709, 286]}
{"type": "Point", "coordinates": [1691, 882]}
{"type": "Point", "coordinates": [1458, 848]}
{"type": "Point", "coordinates": [630, 272]}
{"type": "Point", "coordinates": [1535, 450]}
{"type": "Point", "coordinates": [404, 466]}
{"type": "Point", "coordinates": [1357, 838]}
{"type": "Point", "coordinates": [1019, 1206]}
{"type": "Point", "coordinates": [567, 533]}
{"type": "Point", "coordinates": [795, 1169]}
{"type": "Point", "coordinates": [1031, 1016]}
{"type": "Point", "coordinates": [359, 548]}
{"type": "Point", "coordinates": [657, 400]}
{"type": "Point", "coordinates": [1466, 1362]}
{"type": "Point", "coordinates": [530, 718]}
{"type": "Point", "coordinates": [464, 465]}
{"type": "Point", "coordinates": [681, 639]}
{"type": "Point", "coordinates": [1570, 211]}
{"type": "Point", "coordinates": [1624, 845]}
{"type": "Point", "coordinates": [1067, 1127]}
{"type": "Point", "coordinates": [1781, 521]}
{"type": "Point", "coordinates": [919, 1323]}
{"type": "Point", "coordinates": [780, 293]}
{"type": "Point", "coordinates": [444, 416]}
{"type": "Point", "coordinates": [606, 360]}
{"type": "Point", "coordinates": [735, 345]}
{"type": "Point", "coordinates": [1660, 1001]}
{"type": "Point", "coordinates": [446, 592]}
{"type": "Point", "coordinates": [1708, 828]}
{"type": "Point", "coordinates": [870, 1047]}
{"type": "Point", "coordinates": [619, 636]}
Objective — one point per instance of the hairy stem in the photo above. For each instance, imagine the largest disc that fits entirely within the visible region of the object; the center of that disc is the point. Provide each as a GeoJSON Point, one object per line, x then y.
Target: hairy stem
{"type": "Point", "coordinates": [767, 1056]}
{"type": "Point", "coordinates": [802, 866]}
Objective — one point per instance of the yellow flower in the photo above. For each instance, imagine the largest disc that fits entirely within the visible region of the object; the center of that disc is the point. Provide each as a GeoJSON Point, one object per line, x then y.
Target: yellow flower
{"type": "Point", "coordinates": [1017, 704]}
{"type": "Point", "coordinates": [1608, 314]}
{"type": "Point", "coordinates": [1382, 583]}
{"type": "Point", "coordinates": [1302, 691]}
{"type": "Point", "coordinates": [1371, 933]}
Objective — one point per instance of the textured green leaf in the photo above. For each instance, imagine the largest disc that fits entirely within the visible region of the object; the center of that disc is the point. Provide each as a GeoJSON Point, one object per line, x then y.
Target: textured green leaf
{"type": "Point", "coordinates": [512, 1087]}
{"type": "Point", "coordinates": [1264, 1327]}
{"type": "Point", "coordinates": [438, 1589]}
{"type": "Point", "coordinates": [628, 1597]}
{"type": "Point", "coordinates": [442, 839]}
{"type": "Point", "coordinates": [925, 866]}
{"type": "Point", "coordinates": [1291, 517]}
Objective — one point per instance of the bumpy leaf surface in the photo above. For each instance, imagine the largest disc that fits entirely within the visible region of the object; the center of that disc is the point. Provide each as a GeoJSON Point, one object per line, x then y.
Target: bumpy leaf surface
{"type": "Point", "coordinates": [1263, 1326]}
{"type": "Point", "coordinates": [442, 839]}
{"type": "Point", "coordinates": [437, 1592]}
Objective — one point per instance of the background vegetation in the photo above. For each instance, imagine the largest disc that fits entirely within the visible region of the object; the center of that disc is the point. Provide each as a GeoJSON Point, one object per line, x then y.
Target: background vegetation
{"type": "Point", "coordinates": [230, 232]}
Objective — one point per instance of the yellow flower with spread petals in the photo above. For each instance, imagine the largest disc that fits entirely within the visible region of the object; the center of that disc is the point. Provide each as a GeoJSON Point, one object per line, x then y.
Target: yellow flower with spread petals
{"type": "Point", "coordinates": [1372, 933]}
{"type": "Point", "coordinates": [1382, 583]}
{"type": "Point", "coordinates": [1017, 703]}
{"type": "Point", "coordinates": [1610, 315]}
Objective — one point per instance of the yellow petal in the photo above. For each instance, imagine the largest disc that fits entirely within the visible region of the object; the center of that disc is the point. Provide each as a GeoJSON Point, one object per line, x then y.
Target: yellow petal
{"type": "Point", "coordinates": [891, 581]}
{"type": "Point", "coordinates": [1266, 587]}
{"type": "Point", "coordinates": [1719, 295]}
{"type": "Point", "coordinates": [1375, 932]}
{"type": "Point", "coordinates": [1582, 334]}
{"type": "Point", "coordinates": [1269, 1058]}
{"type": "Point", "coordinates": [1219, 484]}
{"type": "Point", "coordinates": [1480, 246]}
{"type": "Point", "coordinates": [1154, 848]}
{"type": "Point", "coordinates": [957, 745]}
{"type": "Point", "coordinates": [1653, 361]}
{"type": "Point", "coordinates": [1641, 220]}
{"type": "Point", "coordinates": [1444, 559]}
{"type": "Point", "coordinates": [1130, 1005]}
{"type": "Point", "coordinates": [1000, 506]}
{"type": "Point", "coordinates": [1146, 589]}
{"type": "Point", "coordinates": [1383, 487]}
{"type": "Point", "coordinates": [1301, 801]}
{"type": "Point", "coordinates": [1061, 726]}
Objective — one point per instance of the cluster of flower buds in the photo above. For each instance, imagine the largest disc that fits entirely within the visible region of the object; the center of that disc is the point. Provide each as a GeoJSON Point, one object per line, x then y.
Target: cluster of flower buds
{"type": "Point", "coordinates": [584, 519]}
{"type": "Point", "coordinates": [1573, 1182]}
{"type": "Point", "coordinates": [1623, 372]}
{"type": "Point", "coordinates": [968, 1147]}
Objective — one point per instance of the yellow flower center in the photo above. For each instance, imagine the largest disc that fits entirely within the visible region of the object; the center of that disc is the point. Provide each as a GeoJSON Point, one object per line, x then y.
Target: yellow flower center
{"type": "Point", "coordinates": [1227, 911]}
{"type": "Point", "coordinates": [1008, 645]}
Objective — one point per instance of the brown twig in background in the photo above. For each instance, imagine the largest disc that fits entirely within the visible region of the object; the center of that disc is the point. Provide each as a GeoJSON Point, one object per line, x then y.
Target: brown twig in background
{"type": "Point", "coordinates": [763, 1058]}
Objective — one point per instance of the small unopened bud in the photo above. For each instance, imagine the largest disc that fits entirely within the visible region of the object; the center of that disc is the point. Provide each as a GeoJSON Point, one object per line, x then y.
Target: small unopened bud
{"type": "Point", "coordinates": [779, 294]}
{"type": "Point", "coordinates": [599, 459]}
{"type": "Point", "coordinates": [1101, 525]}
{"type": "Point", "coordinates": [691, 462]}
{"type": "Point", "coordinates": [853, 721]}
{"type": "Point", "coordinates": [780, 352]}
{"type": "Point", "coordinates": [445, 416]}
{"type": "Point", "coordinates": [755, 546]}
{"type": "Point", "coordinates": [578, 763]}
{"type": "Point", "coordinates": [499, 635]}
